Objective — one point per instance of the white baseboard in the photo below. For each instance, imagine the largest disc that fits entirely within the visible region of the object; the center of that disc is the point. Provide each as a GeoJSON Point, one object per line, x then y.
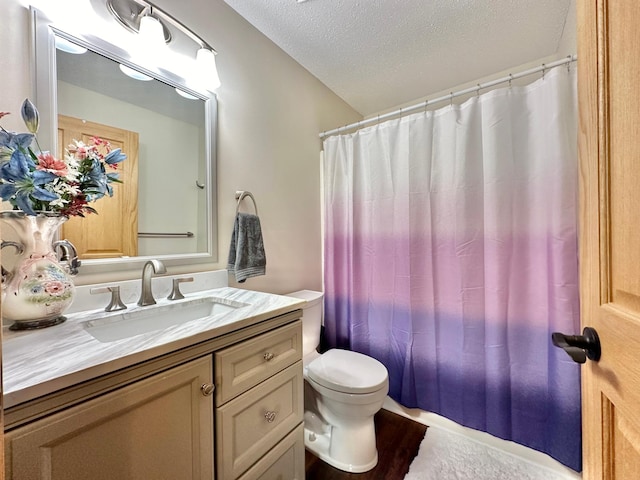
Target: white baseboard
{"type": "Point", "coordinates": [540, 459]}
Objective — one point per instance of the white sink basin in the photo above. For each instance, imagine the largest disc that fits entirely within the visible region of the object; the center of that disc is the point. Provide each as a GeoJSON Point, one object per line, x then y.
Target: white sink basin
{"type": "Point", "coordinates": [127, 324]}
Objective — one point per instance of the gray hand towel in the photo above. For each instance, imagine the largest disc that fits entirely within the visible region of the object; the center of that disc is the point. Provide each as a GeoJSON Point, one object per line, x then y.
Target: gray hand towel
{"type": "Point", "coordinates": [246, 252]}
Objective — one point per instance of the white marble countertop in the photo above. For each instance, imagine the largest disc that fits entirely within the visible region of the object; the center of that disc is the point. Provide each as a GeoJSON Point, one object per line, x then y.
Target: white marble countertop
{"type": "Point", "coordinates": [38, 362]}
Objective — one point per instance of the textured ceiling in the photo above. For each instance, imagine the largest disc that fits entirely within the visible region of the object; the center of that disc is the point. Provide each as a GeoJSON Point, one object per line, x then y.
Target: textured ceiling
{"type": "Point", "coordinates": [378, 54]}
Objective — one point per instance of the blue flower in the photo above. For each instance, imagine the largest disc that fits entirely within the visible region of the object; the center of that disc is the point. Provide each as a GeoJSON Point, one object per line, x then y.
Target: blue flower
{"type": "Point", "coordinates": [15, 140]}
{"type": "Point", "coordinates": [115, 156]}
{"type": "Point", "coordinates": [16, 168]}
{"type": "Point", "coordinates": [95, 181]}
{"type": "Point", "coordinates": [22, 185]}
{"type": "Point", "coordinates": [5, 138]}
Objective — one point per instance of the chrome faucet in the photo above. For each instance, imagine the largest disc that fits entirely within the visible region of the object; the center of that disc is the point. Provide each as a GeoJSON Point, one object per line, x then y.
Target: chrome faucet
{"type": "Point", "coordinates": [146, 294]}
{"type": "Point", "coordinates": [69, 255]}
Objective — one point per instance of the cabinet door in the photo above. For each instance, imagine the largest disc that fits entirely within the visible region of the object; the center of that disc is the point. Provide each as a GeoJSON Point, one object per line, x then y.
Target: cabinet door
{"type": "Point", "coordinates": [158, 428]}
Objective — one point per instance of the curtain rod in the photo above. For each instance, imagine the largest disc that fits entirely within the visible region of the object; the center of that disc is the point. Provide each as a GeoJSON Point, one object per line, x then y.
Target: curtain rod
{"type": "Point", "coordinates": [450, 96]}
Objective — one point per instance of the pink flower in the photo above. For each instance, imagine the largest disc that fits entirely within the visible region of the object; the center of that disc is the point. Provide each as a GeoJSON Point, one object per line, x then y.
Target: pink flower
{"type": "Point", "coordinates": [80, 152]}
{"type": "Point", "coordinates": [49, 163]}
{"type": "Point", "coordinates": [54, 287]}
{"type": "Point", "coordinates": [99, 141]}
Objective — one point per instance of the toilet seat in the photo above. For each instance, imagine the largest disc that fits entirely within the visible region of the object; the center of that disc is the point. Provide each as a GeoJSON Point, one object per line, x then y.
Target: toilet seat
{"type": "Point", "coordinates": [348, 372]}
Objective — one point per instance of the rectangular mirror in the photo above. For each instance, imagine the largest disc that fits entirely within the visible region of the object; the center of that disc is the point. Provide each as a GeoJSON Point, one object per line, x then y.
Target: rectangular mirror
{"type": "Point", "coordinates": [166, 206]}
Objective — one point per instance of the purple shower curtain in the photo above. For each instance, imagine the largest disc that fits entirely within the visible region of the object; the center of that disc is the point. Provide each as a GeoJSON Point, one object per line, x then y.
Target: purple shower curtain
{"type": "Point", "coordinates": [451, 256]}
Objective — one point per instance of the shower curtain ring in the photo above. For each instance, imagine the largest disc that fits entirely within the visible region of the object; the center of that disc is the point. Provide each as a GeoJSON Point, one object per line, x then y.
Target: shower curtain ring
{"type": "Point", "coordinates": [510, 79]}
{"type": "Point", "coordinates": [426, 102]}
{"type": "Point", "coordinates": [451, 99]}
{"type": "Point", "coordinates": [478, 90]}
{"type": "Point", "coordinates": [544, 70]}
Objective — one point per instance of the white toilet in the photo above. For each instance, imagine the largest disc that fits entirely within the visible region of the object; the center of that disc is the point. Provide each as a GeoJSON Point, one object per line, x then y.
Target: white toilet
{"type": "Point", "coordinates": [343, 391]}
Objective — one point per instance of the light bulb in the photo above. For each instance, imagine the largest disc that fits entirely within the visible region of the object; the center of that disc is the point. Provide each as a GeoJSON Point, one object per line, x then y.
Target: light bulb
{"type": "Point", "coordinates": [69, 47]}
{"type": "Point", "coordinates": [184, 94]}
{"type": "Point", "coordinates": [130, 72]}
{"type": "Point", "coordinates": [206, 70]}
{"type": "Point", "coordinates": [151, 32]}
{"type": "Point", "coordinates": [151, 47]}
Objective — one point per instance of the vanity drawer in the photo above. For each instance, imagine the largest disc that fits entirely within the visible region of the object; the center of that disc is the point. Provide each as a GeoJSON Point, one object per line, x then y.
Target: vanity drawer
{"type": "Point", "coordinates": [240, 367]}
{"type": "Point", "coordinates": [284, 462]}
{"type": "Point", "coordinates": [249, 426]}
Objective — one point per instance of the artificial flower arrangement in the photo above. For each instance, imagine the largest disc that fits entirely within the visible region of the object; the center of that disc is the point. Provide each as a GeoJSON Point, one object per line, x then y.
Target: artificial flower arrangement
{"type": "Point", "coordinates": [36, 181]}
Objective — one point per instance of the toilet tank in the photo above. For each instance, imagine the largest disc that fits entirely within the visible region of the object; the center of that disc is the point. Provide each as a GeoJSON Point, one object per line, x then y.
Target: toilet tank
{"type": "Point", "coordinates": [311, 318]}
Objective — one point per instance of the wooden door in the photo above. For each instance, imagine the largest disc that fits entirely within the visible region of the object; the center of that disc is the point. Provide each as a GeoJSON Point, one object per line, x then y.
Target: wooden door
{"type": "Point", "coordinates": [114, 231]}
{"type": "Point", "coordinates": [160, 428]}
{"type": "Point", "coordinates": [609, 146]}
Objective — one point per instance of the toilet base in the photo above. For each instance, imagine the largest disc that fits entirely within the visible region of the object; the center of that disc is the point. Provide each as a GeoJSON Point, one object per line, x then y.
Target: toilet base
{"type": "Point", "coordinates": [319, 444]}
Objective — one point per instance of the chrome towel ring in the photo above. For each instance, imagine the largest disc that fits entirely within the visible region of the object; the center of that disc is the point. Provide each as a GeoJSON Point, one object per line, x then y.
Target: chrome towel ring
{"type": "Point", "coordinates": [240, 194]}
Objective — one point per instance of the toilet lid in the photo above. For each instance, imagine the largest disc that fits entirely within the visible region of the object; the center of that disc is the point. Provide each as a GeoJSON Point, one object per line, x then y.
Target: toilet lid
{"type": "Point", "coordinates": [348, 372]}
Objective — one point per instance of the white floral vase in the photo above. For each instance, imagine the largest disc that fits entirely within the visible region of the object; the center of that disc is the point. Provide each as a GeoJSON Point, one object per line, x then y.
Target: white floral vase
{"type": "Point", "coordinates": [39, 289]}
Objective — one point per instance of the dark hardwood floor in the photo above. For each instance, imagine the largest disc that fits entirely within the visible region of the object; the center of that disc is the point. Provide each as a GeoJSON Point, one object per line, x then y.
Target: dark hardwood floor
{"type": "Point", "coordinates": [398, 440]}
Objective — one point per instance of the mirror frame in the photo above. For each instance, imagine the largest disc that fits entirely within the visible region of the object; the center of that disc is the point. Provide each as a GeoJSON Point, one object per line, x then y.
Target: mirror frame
{"type": "Point", "coordinates": [43, 63]}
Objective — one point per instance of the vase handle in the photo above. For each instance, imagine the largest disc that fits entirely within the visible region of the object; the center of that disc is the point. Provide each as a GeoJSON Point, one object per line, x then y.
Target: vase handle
{"type": "Point", "coordinates": [19, 251]}
{"type": "Point", "coordinates": [69, 255]}
{"type": "Point", "coordinates": [18, 246]}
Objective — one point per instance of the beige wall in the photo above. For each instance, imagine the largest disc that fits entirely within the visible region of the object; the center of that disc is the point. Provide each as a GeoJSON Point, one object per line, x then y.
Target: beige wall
{"type": "Point", "coordinates": [270, 112]}
{"type": "Point", "coordinates": [14, 63]}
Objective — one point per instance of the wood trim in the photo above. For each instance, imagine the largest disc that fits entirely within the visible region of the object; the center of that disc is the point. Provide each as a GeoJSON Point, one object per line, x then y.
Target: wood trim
{"type": "Point", "coordinates": [588, 145]}
{"type": "Point", "coordinates": [130, 195]}
{"type": "Point", "coordinates": [604, 152]}
{"type": "Point", "coordinates": [592, 252]}
{"type": "Point", "coordinates": [608, 435]}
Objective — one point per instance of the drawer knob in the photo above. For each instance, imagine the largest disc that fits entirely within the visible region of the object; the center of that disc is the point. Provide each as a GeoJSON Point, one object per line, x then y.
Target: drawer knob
{"type": "Point", "coordinates": [270, 416]}
{"type": "Point", "coordinates": [268, 356]}
{"type": "Point", "coordinates": [207, 389]}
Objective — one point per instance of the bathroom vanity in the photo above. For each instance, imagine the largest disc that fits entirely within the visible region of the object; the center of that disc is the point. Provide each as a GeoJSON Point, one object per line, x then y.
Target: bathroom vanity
{"type": "Point", "coordinates": [219, 397]}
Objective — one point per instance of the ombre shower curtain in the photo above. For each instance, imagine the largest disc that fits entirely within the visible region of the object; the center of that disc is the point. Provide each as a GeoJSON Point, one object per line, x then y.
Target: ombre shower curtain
{"type": "Point", "coordinates": [451, 255]}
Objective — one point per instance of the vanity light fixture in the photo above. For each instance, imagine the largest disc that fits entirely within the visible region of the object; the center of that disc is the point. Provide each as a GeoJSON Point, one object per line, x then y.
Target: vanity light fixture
{"type": "Point", "coordinates": [136, 75]}
{"type": "Point", "coordinates": [69, 47]}
{"type": "Point", "coordinates": [155, 25]}
{"type": "Point", "coordinates": [186, 95]}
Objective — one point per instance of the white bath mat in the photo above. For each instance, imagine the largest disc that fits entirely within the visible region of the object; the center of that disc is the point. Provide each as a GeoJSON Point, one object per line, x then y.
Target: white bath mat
{"type": "Point", "coordinates": [449, 456]}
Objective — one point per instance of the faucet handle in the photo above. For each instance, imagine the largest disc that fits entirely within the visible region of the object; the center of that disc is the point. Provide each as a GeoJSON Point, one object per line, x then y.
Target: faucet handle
{"type": "Point", "coordinates": [176, 294]}
{"type": "Point", "coordinates": [116, 303]}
